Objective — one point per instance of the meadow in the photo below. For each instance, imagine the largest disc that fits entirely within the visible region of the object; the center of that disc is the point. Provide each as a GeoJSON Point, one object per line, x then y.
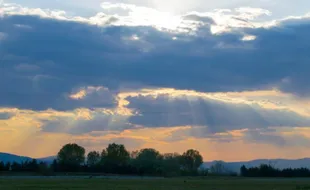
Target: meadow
{"type": "Point", "coordinates": [156, 184]}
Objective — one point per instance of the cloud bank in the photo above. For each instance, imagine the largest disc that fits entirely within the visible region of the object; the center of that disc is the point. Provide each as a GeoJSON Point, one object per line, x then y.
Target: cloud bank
{"type": "Point", "coordinates": [222, 75]}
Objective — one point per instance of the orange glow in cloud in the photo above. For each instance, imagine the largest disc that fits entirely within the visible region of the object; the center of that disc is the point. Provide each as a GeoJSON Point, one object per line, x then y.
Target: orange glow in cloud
{"type": "Point", "coordinates": [21, 134]}
{"type": "Point", "coordinates": [79, 95]}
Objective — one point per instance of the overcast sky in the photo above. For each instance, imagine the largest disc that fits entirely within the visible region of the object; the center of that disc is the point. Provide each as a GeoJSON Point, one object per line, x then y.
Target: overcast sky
{"type": "Point", "coordinates": [224, 77]}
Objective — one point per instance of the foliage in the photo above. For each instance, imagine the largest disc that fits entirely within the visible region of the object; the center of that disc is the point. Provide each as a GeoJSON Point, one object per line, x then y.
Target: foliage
{"type": "Point", "coordinates": [172, 164]}
{"type": "Point", "coordinates": [93, 158]}
{"type": "Point", "coordinates": [44, 169]}
{"type": "Point", "coordinates": [115, 159]}
{"type": "Point", "coordinates": [190, 161]}
{"type": "Point", "coordinates": [219, 169]}
{"type": "Point", "coordinates": [149, 161]}
{"type": "Point", "coordinates": [265, 170]}
{"type": "Point", "coordinates": [27, 166]}
{"type": "Point", "coordinates": [71, 156]}
{"type": "Point", "coordinates": [2, 166]}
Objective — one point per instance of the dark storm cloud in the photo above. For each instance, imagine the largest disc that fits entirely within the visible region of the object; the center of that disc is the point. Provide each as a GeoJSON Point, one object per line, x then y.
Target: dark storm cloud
{"type": "Point", "coordinates": [215, 116]}
{"type": "Point", "coordinates": [43, 62]}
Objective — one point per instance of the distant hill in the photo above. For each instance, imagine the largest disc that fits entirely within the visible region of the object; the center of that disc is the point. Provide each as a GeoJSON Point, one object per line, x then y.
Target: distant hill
{"type": "Point", "coordinates": [277, 163]}
{"type": "Point", "coordinates": [6, 157]}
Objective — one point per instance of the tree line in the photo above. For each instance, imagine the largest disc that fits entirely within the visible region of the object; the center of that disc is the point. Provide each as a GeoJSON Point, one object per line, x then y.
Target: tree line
{"type": "Point", "coordinates": [266, 170]}
{"type": "Point", "coordinates": [115, 159]}
{"type": "Point", "coordinates": [26, 166]}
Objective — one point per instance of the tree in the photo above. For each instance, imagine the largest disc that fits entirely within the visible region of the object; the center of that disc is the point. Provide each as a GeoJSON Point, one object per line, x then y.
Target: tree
{"type": "Point", "coordinates": [115, 157]}
{"type": "Point", "coordinates": [172, 164]}
{"type": "Point", "coordinates": [219, 168]}
{"type": "Point", "coordinates": [93, 158]}
{"type": "Point", "coordinates": [16, 167]}
{"type": "Point", "coordinates": [8, 167]}
{"type": "Point", "coordinates": [2, 166]}
{"type": "Point", "coordinates": [55, 166]}
{"type": "Point", "coordinates": [103, 153]}
{"type": "Point", "coordinates": [71, 156]}
{"type": "Point", "coordinates": [134, 154]}
{"type": "Point", "coordinates": [243, 171]}
{"type": "Point", "coordinates": [33, 165]}
{"type": "Point", "coordinates": [44, 169]}
{"type": "Point", "coordinates": [267, 170]}
{"type": "Point", "coordinates": [149, 161]}
{"type": "Point", "coordinates": [191, 160]}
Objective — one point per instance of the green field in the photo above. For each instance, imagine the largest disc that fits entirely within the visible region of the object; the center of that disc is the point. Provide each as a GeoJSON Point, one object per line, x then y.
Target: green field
{"type": "Point", "coordinates": [156, 184]}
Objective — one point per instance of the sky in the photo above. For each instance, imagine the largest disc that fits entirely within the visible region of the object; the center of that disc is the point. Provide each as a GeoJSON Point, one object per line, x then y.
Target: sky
{"type": "Point", "coordinates": [229, 78]}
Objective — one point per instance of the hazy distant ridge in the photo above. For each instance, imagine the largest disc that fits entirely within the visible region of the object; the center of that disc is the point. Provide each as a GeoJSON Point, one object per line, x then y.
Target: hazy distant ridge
{"type": "Point", "coordinates": [6, 157]}
{"type": "Point", "coordinates": [277, 163]}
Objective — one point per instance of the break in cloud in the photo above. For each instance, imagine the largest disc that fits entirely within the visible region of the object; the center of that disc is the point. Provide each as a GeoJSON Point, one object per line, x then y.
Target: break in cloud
{"type": "Point", "coordinates": [220, 77]}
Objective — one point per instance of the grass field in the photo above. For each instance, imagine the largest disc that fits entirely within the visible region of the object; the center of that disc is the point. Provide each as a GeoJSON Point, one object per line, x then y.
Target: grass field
{"type": "Point", "coordinates": [155, 184]}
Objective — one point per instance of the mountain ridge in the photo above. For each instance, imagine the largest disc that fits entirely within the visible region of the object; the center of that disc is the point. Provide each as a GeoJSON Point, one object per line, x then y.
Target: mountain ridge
{"type": "Point", "coordinates": [8, 157]}
{"type": "Point", "coordinates": [277, 163]}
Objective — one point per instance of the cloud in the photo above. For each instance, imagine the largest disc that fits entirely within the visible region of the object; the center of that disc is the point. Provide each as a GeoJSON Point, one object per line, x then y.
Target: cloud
{"type": "Point", "coordinates": [217, 116]}
{"type": "Point", "coordinates": [271, 136]}
{"type": "Point", "coordinates": [266, 137]}
{"type": "Point", "coordinates": [203, 115]}
{"type": "Point", "coordinates": [135, 75]}
{"type": "Point", "coordinates": [16, 9]}
{"type": "Point", "coordinates": [5, 116]}
{"type": "Point", "coordinates": [276, 137]}
{"type": "Point", "coordinates": [102, 142]}
{"type": "Point", "coordinates": [195, 16]}
{"type": "Point", "coordinates": [24, 135]}
{"type": "Point", "coordinates": [47, 68]}
{"type": "Point", "coordinates": [94, 97]}
{"type": "Point", "coordinates": [91, 121]}
{"type": "Point", "coordinates": [43, 67]}
{"type": "Point", "coordinates": [126, 14]}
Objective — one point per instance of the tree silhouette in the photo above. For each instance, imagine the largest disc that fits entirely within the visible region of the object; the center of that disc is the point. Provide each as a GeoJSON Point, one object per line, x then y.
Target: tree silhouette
{"type": "Point", "coordinates": [219, 168]}
{"type": "Point", "coordinates": [191, 160]}
{"type": "Point", "coordinates": [115, 157]}
{"type": "Point", "coordinates": [71, 156]}
{"type": "Point", "coordinates": [149, 161]}
{"type": "Point", "coordinates": [265, 170]}
{"type": "Point", "coordinates": [172, 164]}
{"type": "Point", "coordinates": [2, 166]}
{"type": "Point", "coordinates": [93, 158]}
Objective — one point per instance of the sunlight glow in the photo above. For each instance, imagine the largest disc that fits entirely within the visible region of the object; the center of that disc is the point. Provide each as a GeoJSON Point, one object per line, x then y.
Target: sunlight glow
{"type": "Point", "coordinates": [145, 16]}
{"type": "Point", "coordinates": [122, 14]}
{"type": "Point", "coordinates": [135, 37]}
{"type": "Point", "coordinates": [248, 38]}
